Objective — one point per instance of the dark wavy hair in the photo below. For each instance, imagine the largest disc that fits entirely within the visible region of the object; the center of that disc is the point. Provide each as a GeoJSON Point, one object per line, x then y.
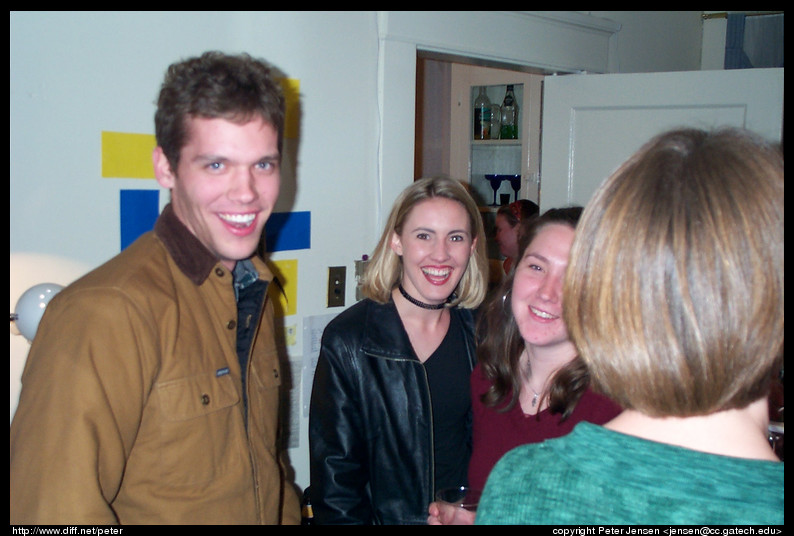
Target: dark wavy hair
{"type": "Point", "coordinates": [501, 344]}
{"type": "Point", "coordinates": [215, 85]}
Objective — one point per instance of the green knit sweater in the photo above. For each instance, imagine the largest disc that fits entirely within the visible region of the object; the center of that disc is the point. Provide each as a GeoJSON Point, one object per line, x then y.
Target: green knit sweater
{"type": "Point", "coordinates": [597, 476]}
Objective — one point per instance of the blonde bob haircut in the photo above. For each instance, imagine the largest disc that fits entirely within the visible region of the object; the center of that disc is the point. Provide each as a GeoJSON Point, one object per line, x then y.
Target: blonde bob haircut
{"type": "Point", "coordinates": [674, 288]}
{"type": "Point", "coordinates": [384, 270]}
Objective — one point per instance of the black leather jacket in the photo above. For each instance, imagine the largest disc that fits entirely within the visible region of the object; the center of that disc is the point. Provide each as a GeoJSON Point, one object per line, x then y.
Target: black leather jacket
{"type": "Point", "coordinates": [370, 423]}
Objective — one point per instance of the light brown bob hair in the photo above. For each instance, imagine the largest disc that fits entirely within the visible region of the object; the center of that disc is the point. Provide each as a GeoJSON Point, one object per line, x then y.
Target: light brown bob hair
{"type": "Point", "coordinates": [384, 270]}
{"type": "Point", "coordinates": [674, 288]}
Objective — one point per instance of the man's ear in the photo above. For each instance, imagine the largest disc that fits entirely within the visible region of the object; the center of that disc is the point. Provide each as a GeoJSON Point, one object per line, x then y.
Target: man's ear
{"type": "Point", "coordinates": [162, 169]}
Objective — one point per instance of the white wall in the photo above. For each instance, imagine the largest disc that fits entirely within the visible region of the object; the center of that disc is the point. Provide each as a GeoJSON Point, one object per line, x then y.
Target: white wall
{"type": "Point", "coordinates": [653, 41]}
{"type": "Point", "coordinates": [73, 75]}
{"type": "Point", "coordinates": [713, 51]}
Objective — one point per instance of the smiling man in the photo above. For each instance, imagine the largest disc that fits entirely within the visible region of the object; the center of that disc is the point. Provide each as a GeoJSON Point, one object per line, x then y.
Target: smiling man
{"type": "Point", "coordinates": [225, 185]}
{"type": "Point", "coordinates": [151, 390]}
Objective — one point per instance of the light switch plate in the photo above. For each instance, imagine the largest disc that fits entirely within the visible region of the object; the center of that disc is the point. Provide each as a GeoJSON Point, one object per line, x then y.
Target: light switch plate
{"type": "Point", "coordinates": [336, 286]}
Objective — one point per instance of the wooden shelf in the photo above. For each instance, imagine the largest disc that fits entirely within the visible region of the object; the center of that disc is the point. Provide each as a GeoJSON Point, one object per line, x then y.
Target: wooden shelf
{"type": "Point", "coordinates": [505, 143]}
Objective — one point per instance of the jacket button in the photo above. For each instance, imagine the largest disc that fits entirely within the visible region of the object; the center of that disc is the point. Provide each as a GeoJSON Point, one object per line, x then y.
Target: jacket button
{"type": "Point", "coordinates": [205, 399]}
{"type": "Point", "coordinates": [219, 272]}
{"type": "Point", "coordinates": [231, 324]}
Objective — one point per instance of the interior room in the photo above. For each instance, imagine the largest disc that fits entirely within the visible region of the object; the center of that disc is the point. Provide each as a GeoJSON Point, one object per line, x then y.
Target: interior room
{"type": "Point", "coordinates": [376, 99]}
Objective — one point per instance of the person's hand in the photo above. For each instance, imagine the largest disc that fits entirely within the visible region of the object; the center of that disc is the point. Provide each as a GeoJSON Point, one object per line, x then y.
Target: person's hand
{"type": "Point", "coordinates": [441, 513]}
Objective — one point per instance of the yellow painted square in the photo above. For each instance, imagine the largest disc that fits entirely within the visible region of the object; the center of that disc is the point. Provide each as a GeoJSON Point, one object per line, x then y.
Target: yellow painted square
{"type": "Point", "coordinates": [127, 155]}
{"type": "Point", "coordinates": [286, 295]}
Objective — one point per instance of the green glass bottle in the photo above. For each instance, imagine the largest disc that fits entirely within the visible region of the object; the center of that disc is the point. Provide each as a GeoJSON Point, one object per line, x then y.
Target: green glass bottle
{"type": "Point", "coordinates": [509, 129]}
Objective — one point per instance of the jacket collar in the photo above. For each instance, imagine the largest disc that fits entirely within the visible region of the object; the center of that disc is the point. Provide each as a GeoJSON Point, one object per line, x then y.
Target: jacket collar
{"type": "Point", "coordinates": [384, 334]}
{"type": "Point", "coordinates": [188, 252]}
{"type": "Point", "coordinates": [385, 337]}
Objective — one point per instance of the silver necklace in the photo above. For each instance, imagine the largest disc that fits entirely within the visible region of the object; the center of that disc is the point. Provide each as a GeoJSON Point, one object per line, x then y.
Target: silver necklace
{"type": "Point", "coordinates": [535, 397]}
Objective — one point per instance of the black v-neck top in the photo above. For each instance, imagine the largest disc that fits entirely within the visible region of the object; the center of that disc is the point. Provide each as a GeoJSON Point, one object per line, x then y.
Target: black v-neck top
{"type": "Point", "coordinates": [448, 377]}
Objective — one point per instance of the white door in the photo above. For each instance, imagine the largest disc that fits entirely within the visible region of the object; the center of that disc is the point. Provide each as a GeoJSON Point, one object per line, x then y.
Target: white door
{"type": "Point", "coordinates": [593, 122]}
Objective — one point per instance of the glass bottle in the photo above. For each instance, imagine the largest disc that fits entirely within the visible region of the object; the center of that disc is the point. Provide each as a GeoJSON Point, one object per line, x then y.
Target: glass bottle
{"type": "Point", "coordinates": [482, 116]}
{"type": "Point", "coordinates": [496, 121]}
{"type": "Point", "coordinates": [509, 128]}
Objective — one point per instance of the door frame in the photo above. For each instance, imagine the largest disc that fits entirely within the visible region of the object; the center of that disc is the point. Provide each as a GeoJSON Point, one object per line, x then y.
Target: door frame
{"type": "Point", "coordinates": [555, 41]}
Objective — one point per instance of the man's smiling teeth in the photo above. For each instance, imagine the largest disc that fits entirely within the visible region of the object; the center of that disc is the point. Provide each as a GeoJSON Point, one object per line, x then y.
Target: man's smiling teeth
{"type": "Point", "coordinates": [238, 219]}
{"type": "Point", "coordinates": [541, 314]}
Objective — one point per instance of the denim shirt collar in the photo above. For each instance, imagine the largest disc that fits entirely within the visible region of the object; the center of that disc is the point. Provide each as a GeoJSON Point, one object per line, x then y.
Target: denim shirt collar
{"type": "Point", "coordinates": [244, 275]}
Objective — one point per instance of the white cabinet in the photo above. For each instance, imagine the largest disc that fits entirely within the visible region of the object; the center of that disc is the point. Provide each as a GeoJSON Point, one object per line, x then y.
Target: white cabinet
{"type": "Point", "coordinates": [472, 159]}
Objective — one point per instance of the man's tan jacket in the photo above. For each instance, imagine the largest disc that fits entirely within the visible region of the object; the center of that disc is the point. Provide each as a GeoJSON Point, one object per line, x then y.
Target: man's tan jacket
{"type": "Point", "coordinates": [131, 408]}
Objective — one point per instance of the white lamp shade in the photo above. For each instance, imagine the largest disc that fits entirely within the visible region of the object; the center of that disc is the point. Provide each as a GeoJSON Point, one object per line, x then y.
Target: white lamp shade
{"type": "Point", "coordinates": [30, 307]}
{"type": "Point", "coordinates": [25, 271]}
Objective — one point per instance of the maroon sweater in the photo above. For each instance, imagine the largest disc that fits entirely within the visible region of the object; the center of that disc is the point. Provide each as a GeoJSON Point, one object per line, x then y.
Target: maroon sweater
{"type": "Point", "coordinates": [494, 433]}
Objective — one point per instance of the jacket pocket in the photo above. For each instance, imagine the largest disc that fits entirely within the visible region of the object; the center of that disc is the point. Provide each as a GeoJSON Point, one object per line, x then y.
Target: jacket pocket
{"type": "Point", "coordinates": [201, 430]}
{"type": "Point", "coordinates": [267, 401]}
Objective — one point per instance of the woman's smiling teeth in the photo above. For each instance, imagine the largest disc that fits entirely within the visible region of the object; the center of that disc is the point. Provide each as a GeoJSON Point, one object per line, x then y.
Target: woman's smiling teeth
{"type": "Point", "coordinates": [238, 220]}
{"type": "Point", "coordinates": [542, 314]}
{"type": "Point", "coordinates": [435, 274]}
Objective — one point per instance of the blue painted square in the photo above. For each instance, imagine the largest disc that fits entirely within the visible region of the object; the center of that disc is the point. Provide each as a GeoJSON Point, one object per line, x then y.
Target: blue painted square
{"type": "Point", "coordinates": [139, 211]}
{"type": "Point", "coordinates": [288, 230]}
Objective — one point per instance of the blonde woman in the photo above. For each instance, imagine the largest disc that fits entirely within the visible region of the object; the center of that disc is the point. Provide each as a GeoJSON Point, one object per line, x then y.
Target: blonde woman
{"type": "Point", "coordinates": [390, 416]}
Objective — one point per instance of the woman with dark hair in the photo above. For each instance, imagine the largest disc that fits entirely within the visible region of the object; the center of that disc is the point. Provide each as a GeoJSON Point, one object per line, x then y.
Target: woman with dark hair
{"type": "Point", "coordinates": [507, 227]}
{"type": "Point", "coordinates": [529, 385]}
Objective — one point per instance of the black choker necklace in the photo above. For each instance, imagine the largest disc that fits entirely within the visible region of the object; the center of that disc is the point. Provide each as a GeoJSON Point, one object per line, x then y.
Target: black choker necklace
{"type": "Point", "coordinates": [416, 302]}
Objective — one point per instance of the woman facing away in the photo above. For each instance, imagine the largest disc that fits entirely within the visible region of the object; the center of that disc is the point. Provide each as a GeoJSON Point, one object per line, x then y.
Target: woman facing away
{"type": "Point", "coordinates": [675, 298]}
{"type": "Point", "coordinates": [529, 385]}
{"type": "Point", "coordinates": [390, 413]}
